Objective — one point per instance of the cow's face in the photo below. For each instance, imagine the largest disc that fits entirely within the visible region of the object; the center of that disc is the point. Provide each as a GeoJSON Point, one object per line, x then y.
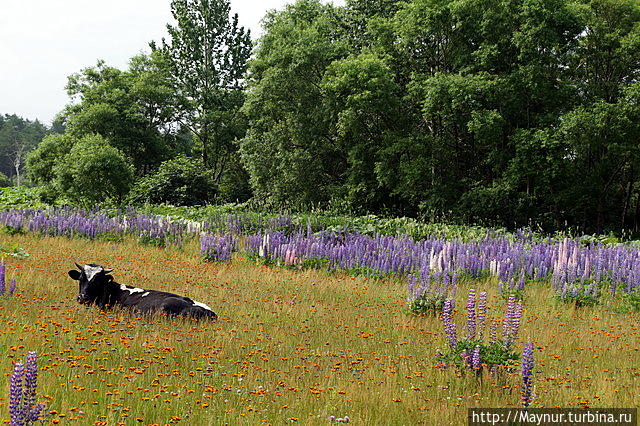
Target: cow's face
{"type": "Point", "coordinates": [92, 280]}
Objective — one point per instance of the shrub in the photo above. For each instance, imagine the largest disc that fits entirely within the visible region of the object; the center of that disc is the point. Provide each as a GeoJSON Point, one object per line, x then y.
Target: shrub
{"type": "Point", "coordinates": [94, 171]}
{"type": "Point", "coordinates": [4, 180]}
{"type": "Point", "coordinates": [180, 181]}
{"type": "Point", "coordinates": [41, 161]}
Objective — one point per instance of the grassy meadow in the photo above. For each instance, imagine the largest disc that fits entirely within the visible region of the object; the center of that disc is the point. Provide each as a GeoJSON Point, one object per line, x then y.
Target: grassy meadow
{"type": "Point", "coordinates": [289, 346]}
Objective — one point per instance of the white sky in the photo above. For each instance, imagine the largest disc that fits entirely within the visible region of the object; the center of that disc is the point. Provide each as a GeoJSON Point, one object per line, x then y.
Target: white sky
{"type": "Point", "coordinates": [42, 42]}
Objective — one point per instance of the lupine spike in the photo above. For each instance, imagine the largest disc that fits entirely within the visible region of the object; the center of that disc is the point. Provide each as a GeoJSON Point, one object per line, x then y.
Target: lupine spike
{"type": "Point", "coordinates": [507, 325]}
{"type": "Point", "coordinates": [482, 313]}
{"type": "Point", "coordinates": [515, 324]}
{"type": "Point", "coordinates": [450, 327]}
{"type": "Point", "coordinates": [527, 372]}
{"type": "Point", "coordinates": [23, 386]}
{"type": "Point", "coordinates": [30, 379]}
{"type": "Point", "coordinates": [2, 278]}
{"type": "Point", "coordinates": [16, 407]}
{"type": "Point", "coordinates": [471, 314]}
{"type": "Point", "coordinates": [476, 361]}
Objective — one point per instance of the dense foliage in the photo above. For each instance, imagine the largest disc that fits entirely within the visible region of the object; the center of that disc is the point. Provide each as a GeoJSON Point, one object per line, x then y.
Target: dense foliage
{"type": "Point", "coordinates": [507, 113]}
{"type": "Point", "coordinates": [180, 181]}
{"type": "Point", "coordinates": [207, 58]}
{"type": "Point", "coordinates": [83, 170]}
{"type": "Point", "coordinates": [483, 110]}
{"type": "Point", "coordinates": [18, 137]}
{"type": "Point", "coordinates": [133, 109]}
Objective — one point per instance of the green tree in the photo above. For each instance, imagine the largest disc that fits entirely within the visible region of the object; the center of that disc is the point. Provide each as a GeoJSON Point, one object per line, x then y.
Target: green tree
{"type": "Point", "coordinates": [41, 162]}
{"type": "Point", "coordinates": [180, 181]}
{"type": "Point", "coordinates": [93, 171]}
{"type": "Point", "coordinates": [501, 111]}
{"type": "Point", "coordinates": [363, 100]}
{"type": "Point", "coordinates": [608, 55]}
{"type": "Point", "coordinates": [17, 138]}
{"type": "Point", "coordinates": [134, 109]}
{"type": "Point", "coordinates": [4, 180]}
{"type": "Point", "coordinates": [291, 150]}
{"type": "Point", "coordinates": [207, 55]}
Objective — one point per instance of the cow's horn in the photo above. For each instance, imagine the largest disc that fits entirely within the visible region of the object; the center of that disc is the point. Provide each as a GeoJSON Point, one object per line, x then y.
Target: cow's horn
{"type": "Point", "coordinates": [79, 267]}
{"type": "Point", "coordinates": [106, 271]}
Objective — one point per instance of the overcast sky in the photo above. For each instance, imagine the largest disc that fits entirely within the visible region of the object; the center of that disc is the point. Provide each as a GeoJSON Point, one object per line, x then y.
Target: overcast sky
{"type": "Point", "coordinates": [42, 42]}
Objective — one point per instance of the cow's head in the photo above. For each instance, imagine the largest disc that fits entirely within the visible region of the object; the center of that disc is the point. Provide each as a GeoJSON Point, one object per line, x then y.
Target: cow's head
{"type": "Point", "coordinates": [93, 280]}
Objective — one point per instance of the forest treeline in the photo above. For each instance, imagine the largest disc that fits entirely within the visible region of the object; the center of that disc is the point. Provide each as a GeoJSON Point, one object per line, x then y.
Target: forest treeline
{"type": "Point", "coordinates": [510, 112]}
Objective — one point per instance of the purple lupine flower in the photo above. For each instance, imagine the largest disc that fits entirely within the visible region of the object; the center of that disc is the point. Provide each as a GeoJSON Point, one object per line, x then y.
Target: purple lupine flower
{"type": "Point", "coordinates": [2, 278]}
{"type": "Point", "coordinates": [12, 286]}
{"type": "Point", "coordinates": [22, 399]}
{"type": "Point", "coordinates": [30, 380]}
{"type": "Point", "coordinates": [515, 320]}
{"type": "Point", "coordinates": [476, 358]}
{"type": "Point", "coordinates": [527, 371]}
{"type": "Point", "coordinates": [449, 326]}
{"type": "Point", "coordinates": [508, 321]}
{"type": "Point", "coordinates": [521, 281]}
{"type": "Point", "coordinates": [471, 314]}
{"type": "Point", "coordinates": [447, 310]}
{"type": "Point", "coordinates": [482, 313]}
{"type": "Point", "coordinates": [217, 248]}
{"type": "Point", "coordinates": [16, 408]}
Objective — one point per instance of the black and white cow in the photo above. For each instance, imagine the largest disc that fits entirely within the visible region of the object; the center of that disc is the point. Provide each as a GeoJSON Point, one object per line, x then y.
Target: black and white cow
{"type": "Point", "coordinates": [98, 287]}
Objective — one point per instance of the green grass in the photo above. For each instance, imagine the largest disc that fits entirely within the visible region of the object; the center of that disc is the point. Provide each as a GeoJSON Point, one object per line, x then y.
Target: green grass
{"type": "Point", "coordinates": [290, 346]}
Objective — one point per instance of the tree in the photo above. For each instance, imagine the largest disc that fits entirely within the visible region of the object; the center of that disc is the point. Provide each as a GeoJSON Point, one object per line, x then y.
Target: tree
{"type": "Point", "coordinates": [94, 172]}
{"type": "Point", "coordinates": [608, 54]}
{"type": "Point", "coordinates": [180, 181]}
{"type": "Point", "coordinates": [207, 54]}
{"type": "Point", "coordinates": [41, 162]}
{"type": "Point", "coordinates": [4, 180]}
{"type": "Point", "coordinates": [17, 138]}
{"type": "Point", "coordinates": [291, 151]}
{"type": "Point", "coordinates": [133, 109]}
{"type": "Point", "coordinates": [363, 100]}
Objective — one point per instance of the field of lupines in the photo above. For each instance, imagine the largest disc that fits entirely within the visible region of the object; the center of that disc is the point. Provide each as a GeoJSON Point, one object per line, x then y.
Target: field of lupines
{"type": "Point", "coordinates": [580, 273]}
{"type": "Point", "coordinates": [301, 344]}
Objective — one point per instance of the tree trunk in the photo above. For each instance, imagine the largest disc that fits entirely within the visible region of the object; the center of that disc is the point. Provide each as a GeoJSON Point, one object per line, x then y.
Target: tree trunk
{"type": "Point", "coordinates": [636, 218]}
{"type": "Point", "coordinates": [204, 138]}
{"type": "Point", "coordinates": [627, 198]}
{"type": "Point", "coordinates": [17, 164]}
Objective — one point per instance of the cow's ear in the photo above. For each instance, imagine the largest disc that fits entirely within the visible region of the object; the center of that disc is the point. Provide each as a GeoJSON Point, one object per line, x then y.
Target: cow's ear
{"type": "Point", "coordinates": [74, 274]}
{"type": "Point", "coordinates": [109, 278]}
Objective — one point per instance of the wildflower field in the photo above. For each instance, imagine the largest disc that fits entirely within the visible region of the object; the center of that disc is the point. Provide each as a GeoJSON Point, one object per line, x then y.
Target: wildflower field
{"type": "Point", "coordinates": [304, 333]}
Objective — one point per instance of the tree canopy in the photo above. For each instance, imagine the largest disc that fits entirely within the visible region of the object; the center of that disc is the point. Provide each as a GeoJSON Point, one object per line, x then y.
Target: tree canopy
{"type": "Point", "coordinates": [207, 53]}
{"type": "Point", "coordinates": [510, 112]}
{"type": "Point", "coordinates": [18, 137]}
{"type": "Point", "coordinates": [475, 110]}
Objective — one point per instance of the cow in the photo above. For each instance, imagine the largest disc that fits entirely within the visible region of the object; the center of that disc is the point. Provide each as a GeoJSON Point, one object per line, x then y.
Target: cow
{"type": "Point", "coordinates": [98, 287]}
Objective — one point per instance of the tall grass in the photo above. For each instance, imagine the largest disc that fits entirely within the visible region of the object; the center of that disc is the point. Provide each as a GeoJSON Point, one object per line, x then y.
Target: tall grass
{"type": "Point", "coordinates": [290, 346]}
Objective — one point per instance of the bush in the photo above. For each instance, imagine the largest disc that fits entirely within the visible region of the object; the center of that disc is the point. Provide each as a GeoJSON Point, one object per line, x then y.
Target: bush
{"type": "Point", "coordinates": [181, 181]}
{"type": "Point", "coordinates": [41, 161]}
{"type": "Point", "coordinates": [4, 180]}
{"type": "Point", "coordinates": [16, 197]}
{"type": "Point", "coordinates": [94, 171]}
